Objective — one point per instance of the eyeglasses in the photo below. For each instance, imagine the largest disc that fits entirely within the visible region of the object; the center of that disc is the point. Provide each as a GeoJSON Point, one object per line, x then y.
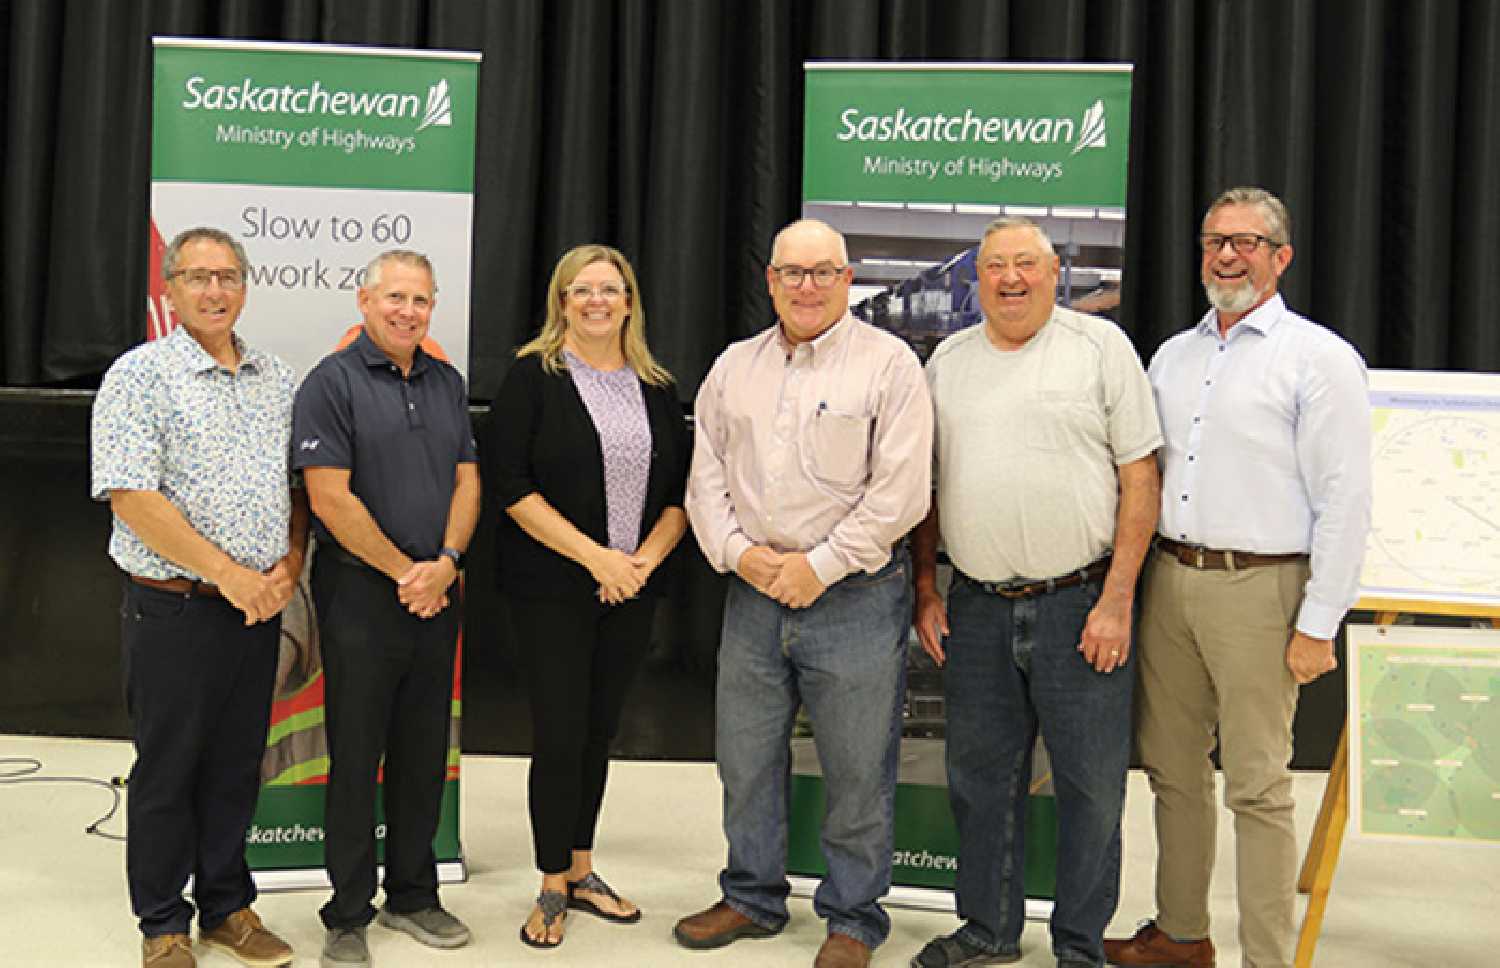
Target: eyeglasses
{"type": "Point", "coordinates": [609, 292]}
{"type": "Point", "coordinates": [197, 279]}
{"type": "Point", "coordinates": [1244, 243]}
{"type": "Point", "coordinates": [824, 274]}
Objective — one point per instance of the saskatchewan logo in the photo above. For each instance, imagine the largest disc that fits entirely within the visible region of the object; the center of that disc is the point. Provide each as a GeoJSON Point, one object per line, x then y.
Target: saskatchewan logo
{"type": "Point", "coordinates": [439, 109]}
{"type": "Point", "coordinates": [1092, 133]}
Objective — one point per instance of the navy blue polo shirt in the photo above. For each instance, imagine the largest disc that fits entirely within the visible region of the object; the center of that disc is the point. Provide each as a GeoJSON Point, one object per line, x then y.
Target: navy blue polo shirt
{"type": "Point", "coordinates": [401, 438]}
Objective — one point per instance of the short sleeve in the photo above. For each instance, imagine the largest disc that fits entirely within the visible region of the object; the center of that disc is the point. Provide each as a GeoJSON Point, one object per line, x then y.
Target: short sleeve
{"type": "Point", "coordinates": [126, 429]}
{"type": "Point", "coordinates": [322, 420]}
{"type": "Point", "coordinates": [1134, 428]}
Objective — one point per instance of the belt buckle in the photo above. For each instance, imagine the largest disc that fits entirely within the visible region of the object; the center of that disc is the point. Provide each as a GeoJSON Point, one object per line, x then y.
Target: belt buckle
{"type": "Point", "coordinates": [1199, 550]}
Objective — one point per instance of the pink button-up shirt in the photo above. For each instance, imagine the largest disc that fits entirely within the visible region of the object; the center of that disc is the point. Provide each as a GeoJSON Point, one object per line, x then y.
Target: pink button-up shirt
{"type": "Point", "coordinates": [824, 448]}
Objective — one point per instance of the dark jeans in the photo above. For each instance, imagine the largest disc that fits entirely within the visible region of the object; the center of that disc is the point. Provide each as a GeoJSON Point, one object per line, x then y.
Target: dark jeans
{"type": "Point", "coordinates": [388, 690]}
{"type": "Point", "coordinates": [844, 658]}
{"type": "Point", "coordinates": [580, 659]}
{"type": "Point", "coordinates": [1014, 666]}
{"type": "Point", "coordinates": [198, 690]}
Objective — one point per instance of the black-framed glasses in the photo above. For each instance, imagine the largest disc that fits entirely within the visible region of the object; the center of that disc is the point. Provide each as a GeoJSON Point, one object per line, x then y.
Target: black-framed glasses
{"type": "Point", "coordinates": [609, 292]}
{"type": "Point", "coordinates": [1243, 243]}
{"type": "Point", "coordinates": [198, 279]}
{"type": "Point", "coordinates": [824, 274]}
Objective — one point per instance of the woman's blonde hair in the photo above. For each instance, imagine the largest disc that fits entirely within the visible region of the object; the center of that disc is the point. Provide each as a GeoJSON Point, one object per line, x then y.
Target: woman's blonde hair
{"type": "Point", "coordinates": [548, 344]}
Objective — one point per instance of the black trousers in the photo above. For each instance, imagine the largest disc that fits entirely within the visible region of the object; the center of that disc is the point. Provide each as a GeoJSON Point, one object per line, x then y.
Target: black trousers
{"type": "Point", "coordinates": [388, 689]}
{"type": "Point", "coordinates": [198, 691]}
{"type": "Point", "coordinates": [581, 657]}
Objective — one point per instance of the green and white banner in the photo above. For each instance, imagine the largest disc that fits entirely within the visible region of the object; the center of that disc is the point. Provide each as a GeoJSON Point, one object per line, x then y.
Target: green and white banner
{"type": "Point", "coordinates": [316, 158]}
{"type": "Point", "coordinates": [911, 162]}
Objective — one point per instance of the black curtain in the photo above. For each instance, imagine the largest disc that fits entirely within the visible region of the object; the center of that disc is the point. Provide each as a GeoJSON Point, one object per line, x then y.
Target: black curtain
{"type": "Point", "coordinates": [673, 130]}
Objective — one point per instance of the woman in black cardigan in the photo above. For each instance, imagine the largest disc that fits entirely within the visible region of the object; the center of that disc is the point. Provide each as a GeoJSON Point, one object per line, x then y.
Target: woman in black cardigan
{"type": "Point", "coordinates": [588, 457]}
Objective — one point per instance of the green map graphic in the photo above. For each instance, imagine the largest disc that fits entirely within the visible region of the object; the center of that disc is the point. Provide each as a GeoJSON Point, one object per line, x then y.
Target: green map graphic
{"type": "Point", "coordinates": [1429, 741]}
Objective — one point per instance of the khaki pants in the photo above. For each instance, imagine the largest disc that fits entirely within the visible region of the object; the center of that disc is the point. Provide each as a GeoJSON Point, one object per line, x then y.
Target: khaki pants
{"type": "Point", "coordinates": [1213, 654]}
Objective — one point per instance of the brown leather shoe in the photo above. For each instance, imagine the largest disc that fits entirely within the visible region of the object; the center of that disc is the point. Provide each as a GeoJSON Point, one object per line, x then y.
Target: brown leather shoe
{"type": "Point", "coordinates": [842, 951]}
{"type": "Point", "coordinates": [168, 951]}
{"type": "Point", "coordinates": [1151, 946]}
{"type": "Point", "coordinates": [716, 927]}
{"type": "Point", "coordinates": [243, 936]}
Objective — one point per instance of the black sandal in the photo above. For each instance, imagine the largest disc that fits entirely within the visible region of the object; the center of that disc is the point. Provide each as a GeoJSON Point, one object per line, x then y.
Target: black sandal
{"type": "Point", "coordinates": [553, 905]}
{"type": "Point", "coordinates": [594, 884]}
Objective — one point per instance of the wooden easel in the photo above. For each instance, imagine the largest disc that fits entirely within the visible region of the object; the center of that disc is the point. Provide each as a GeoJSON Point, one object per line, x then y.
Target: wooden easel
{"type": "Point", "coordinates": [1328, 832]}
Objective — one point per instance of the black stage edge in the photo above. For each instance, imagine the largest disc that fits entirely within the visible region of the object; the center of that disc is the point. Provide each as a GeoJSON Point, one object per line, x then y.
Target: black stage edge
{"type": "Point", "coordinates": [60, 594]}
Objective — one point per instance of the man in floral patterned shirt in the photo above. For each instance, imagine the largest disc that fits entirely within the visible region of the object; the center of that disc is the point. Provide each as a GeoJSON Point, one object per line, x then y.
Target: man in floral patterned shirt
{"type": "Point", "coordinates": [190, 446]}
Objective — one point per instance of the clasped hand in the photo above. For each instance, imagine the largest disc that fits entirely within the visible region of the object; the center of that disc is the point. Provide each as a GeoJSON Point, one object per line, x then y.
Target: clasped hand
{"type": "Point", "coordinates": [788, 578]}
{"type": "Point", "coordinates": [424, 587]}
{"type": "Point", "coordinates": [260, 595]}
{"type": "Point", "coordinates": [620, 576]}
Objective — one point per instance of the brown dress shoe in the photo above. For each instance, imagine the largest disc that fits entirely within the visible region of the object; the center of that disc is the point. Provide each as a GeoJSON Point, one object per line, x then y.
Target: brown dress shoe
{"type": "Point", "coordinates": [243, 936]}
{"type": "Point", "coordinates": [1151, 946]}
{"type": "Point", "coordinates": [168, 951]}
{"type": "Point", "coordinates": [716, 927]}
{"type": "Point", "coordinates": [842, 951]}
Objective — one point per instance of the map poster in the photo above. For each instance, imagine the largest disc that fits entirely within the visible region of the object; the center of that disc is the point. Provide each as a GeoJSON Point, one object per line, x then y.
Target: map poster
{"type": "Point", "coordinates": [1424, 739]}
{"type": "Point", "coordinates": [1435, 451]}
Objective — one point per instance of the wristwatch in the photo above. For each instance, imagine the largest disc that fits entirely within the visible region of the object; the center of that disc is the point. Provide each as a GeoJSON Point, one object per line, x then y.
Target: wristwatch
{"type": "Point", "coordinates": [453, 555]}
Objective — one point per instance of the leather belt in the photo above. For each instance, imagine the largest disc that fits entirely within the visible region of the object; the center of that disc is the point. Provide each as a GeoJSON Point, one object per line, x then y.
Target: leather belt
{"type": "Point", "coordinates": [1215, 559]}
{"type": "Point", "coordinates": [1045, 586]}
{"type": "Point", "coordinates": [180, 586]}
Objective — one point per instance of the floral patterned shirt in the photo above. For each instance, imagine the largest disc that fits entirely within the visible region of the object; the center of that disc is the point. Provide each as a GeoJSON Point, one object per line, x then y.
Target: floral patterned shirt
{"type": "Point", "coordinates": [215, 443]}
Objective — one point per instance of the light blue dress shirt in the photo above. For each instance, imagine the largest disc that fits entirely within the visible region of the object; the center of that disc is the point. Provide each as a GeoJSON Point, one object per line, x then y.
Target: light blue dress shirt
{"type": "Point", "coordinates": [1268, 448]}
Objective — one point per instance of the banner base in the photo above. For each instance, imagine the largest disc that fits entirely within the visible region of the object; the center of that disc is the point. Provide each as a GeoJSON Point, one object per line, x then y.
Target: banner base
{"type": "Point", "coordinates": [304, 878]}
{"type": "Point", "coordinates": [922, 898]}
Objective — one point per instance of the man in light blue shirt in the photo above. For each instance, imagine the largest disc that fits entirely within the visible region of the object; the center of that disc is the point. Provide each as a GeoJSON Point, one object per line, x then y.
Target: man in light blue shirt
{"type": "Point", "coordinates": [1265, 507]}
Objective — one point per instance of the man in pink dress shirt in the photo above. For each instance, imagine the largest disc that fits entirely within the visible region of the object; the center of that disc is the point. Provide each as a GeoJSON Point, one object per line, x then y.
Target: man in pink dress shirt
{"type": "Point", "coordinates": [812, 462]}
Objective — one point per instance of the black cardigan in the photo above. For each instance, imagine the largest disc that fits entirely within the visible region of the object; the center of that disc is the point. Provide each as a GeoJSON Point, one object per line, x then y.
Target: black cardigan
{"type": "Point", "coordinates": [542, 440]}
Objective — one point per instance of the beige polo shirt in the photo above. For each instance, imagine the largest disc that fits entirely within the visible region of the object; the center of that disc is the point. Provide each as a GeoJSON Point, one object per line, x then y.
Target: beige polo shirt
{"type": "Point", "coordinates": [1027, 443]}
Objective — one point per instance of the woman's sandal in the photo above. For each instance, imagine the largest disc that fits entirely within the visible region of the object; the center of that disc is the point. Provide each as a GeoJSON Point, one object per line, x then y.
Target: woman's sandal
{"type": "Point", "coordinates": [594, 884]}
{"type": "Point", "coordinates": [553, 905]}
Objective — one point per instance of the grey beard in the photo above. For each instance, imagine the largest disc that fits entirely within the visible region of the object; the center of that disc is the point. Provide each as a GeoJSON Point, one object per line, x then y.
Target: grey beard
{"type": "Point", "coordinates": [1227, 300]}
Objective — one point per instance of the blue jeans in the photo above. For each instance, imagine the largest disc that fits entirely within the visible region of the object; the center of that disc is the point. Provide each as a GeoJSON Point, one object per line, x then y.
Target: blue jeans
{"type": "Point", "coordinates": [1014, 666]}
{"type": "Point", "coordinates": [844, 658]}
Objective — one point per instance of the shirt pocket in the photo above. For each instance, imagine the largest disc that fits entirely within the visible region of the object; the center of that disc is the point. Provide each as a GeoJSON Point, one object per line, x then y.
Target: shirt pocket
{"type": "Point", "coordinates": [840, 445]}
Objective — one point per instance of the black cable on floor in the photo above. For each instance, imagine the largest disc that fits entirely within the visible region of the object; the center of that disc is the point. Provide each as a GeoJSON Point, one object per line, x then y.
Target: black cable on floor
{"type": "Point", "coordinates": [21, 769]}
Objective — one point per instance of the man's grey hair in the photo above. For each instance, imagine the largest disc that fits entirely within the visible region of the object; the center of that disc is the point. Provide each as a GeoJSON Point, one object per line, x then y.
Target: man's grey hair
{"type": "Point", "coordinates": [1272, 209]}
{"type": "Point", "coordinates": [806, 223]}
{"type": "Point", "coordinates": [1018, 222]}
{"type": "Point", "coordinates": [201, 233]}
{"type": "Point", "coordinates": [405, 257]}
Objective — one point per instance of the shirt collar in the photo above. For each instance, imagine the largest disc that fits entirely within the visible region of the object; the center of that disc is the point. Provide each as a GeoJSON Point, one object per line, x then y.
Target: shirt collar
{"type": "Point", "coordinates": [1262, 319]}
{"type": "Point", "coordinates": [825, 341]}
{"type": "Point", "coordinates": [192, 353]}
{"type": "Point", "coordinates": [372, 355]}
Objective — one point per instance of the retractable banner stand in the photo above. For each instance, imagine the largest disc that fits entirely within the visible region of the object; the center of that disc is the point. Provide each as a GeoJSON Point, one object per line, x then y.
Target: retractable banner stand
{"type": "Point", "coordinates": [317, 158]}
{"type": "Point", "coordinates": [911, 162]}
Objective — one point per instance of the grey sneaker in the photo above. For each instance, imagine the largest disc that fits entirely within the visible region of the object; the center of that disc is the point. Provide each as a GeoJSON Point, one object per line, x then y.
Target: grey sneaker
{"type": "Point", "coordinates": [433, 926]}
{"type": "Point", "coordinates": [345, 948]}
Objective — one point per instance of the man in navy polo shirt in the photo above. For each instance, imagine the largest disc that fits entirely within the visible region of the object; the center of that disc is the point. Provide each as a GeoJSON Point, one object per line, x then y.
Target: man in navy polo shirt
{"type": "Point", "coordinates": [381, 432]}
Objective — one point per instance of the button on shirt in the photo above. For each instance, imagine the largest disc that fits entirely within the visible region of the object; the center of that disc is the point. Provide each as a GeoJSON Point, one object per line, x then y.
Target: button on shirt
{"type": "Point", "coordinates": [400, 438]}
{"type": "Point", "coordinates": [1268, 448]}
{"type": "Point", "coordinates": [215, 443]}
{"type": "Point", "coordinates": [823, 448]}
